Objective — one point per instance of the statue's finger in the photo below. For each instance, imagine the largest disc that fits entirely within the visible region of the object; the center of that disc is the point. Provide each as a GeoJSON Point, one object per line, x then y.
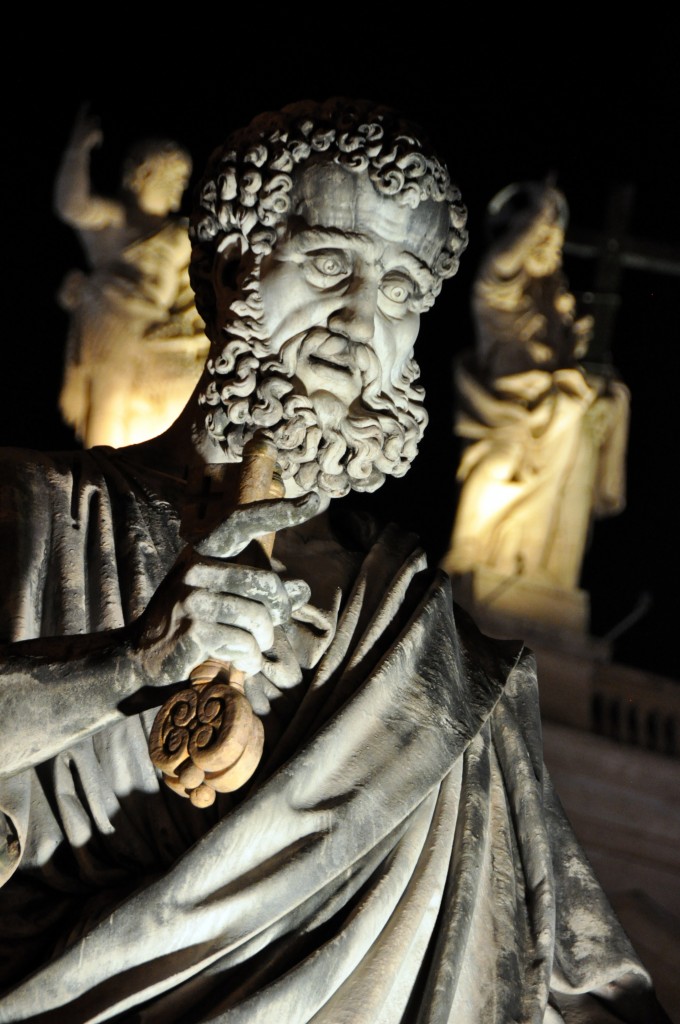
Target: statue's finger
{"type": "Point", "coordinates": [232, 610]}
{"type": "Point", "coordinates": [230, 537]}
{"type": "Point", "coordinates": [280, 664]}
{"type": "Point", "coordinates": [298, 592]}
{"type": "Point", "coordinates": [230, 644]}
{"type": "Point", "coordinates": [223, 577]}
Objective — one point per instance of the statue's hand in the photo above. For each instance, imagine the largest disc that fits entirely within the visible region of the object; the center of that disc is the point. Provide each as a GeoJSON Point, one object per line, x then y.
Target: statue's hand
{"type": "Point", "coordinates": [86, 133]}
{"type": "Point", "coordinates": [210, 607]}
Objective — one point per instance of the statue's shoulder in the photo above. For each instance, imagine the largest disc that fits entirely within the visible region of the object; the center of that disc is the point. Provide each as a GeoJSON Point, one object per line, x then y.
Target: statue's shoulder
{"type": "Point", "coordinates": [30, 462]}
{"type": "Point", "coordinates": [17, 464]}
{"type": "Point", "coordinates": [42, 477]}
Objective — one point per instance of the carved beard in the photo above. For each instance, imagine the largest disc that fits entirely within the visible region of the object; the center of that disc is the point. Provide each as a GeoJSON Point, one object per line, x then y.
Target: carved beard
{"type": "Point", "coordinates": [322, 446]}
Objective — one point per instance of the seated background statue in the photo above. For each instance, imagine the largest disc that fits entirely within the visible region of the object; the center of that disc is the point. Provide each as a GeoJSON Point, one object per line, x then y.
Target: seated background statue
{"type": "Point", "coordinates": [136, 344]}
{"type": "Point", "coordinates": [544, 440]}
{"type": "Point", "coordinates": [399, 854]}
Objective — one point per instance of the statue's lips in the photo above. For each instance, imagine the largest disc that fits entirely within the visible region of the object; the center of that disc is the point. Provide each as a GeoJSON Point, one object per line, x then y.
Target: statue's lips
{"type": "Point", "coordinates": [332, 351]}
{"type": "Point", "coordinates": [330, 363]}
{"type": "Point", "coordinates": [343, 364]}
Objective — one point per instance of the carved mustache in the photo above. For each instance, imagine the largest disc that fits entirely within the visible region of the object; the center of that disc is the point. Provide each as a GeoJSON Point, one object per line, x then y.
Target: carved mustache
{"type": "Point", "coordinates": [326, 348]}
{"type": "Point", "coordinates": [319, 345]}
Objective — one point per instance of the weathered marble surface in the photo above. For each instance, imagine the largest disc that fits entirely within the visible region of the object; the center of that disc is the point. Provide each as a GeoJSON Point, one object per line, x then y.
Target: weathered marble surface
{"type": "Point", "coordinates": [403, 802]}
{"type": "Point", "coordinates": [399, 855]}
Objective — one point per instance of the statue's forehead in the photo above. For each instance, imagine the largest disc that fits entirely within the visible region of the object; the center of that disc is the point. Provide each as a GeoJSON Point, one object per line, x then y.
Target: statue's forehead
{"type": "Point", "coordinates": [327, 195]}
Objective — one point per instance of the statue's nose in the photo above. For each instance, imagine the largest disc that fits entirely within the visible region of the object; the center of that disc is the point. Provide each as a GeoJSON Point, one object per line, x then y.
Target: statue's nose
{"type": "Point", "coordinates": [355, 316]}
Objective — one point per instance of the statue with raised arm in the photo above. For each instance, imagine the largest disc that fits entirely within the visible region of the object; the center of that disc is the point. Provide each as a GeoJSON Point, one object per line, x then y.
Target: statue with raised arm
{"type": "Point", "coordinates": [136, 344]}
{"type": "Point", "coordinates": [544, 440]}
{"type": "Point", "coordinates": [398, 854]}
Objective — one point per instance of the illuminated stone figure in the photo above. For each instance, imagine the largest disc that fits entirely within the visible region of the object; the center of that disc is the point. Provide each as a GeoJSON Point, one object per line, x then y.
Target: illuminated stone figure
{"type": "Point", "coordinates": [399, 854]}
{"type": "Point", "coordinates": [136, 344]}
{"type": "Point", "coordinates": [544, 441]}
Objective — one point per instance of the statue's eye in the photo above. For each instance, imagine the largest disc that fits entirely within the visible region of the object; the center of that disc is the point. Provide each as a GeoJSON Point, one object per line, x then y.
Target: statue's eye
{"type": "Point", "coordinates": [331, 263]}
{"type": "Point", "coordinates": [399, 288]}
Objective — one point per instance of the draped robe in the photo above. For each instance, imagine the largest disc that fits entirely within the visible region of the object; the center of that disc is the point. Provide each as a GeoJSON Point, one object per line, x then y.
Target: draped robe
{"type": "Point", "coordinates": [399, 855]}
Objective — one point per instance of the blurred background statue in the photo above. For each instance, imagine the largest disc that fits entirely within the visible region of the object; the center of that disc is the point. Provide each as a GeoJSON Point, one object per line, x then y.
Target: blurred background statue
{"type": "Point", "coordinates": [136, 345]}
{"type": "Point", "coordinates": [544, 441]}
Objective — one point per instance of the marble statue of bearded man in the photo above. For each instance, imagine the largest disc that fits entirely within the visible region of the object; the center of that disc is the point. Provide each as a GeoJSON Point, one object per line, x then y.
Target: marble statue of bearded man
{"type": "Point", "coordinates": [398, 855]}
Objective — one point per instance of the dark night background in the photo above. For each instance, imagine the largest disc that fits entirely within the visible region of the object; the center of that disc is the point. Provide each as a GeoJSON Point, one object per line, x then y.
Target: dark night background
{"type": "Point", "coordinates": [493, 124]}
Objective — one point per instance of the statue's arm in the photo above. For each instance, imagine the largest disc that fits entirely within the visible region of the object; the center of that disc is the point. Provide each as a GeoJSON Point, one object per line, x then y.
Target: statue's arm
{"type": "Point", "coordinates": [55, 691]}
{"type": "Point", "coordinates": [74, 201]}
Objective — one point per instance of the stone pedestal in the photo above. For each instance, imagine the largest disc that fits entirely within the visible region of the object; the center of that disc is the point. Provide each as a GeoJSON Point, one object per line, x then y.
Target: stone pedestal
{"type": "Point", "coordinates": [514, 606]}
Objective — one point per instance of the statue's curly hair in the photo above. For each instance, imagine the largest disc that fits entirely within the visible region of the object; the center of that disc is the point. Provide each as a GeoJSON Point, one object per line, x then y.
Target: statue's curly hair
{"type": "Point", "coordinates": [244, 195]}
